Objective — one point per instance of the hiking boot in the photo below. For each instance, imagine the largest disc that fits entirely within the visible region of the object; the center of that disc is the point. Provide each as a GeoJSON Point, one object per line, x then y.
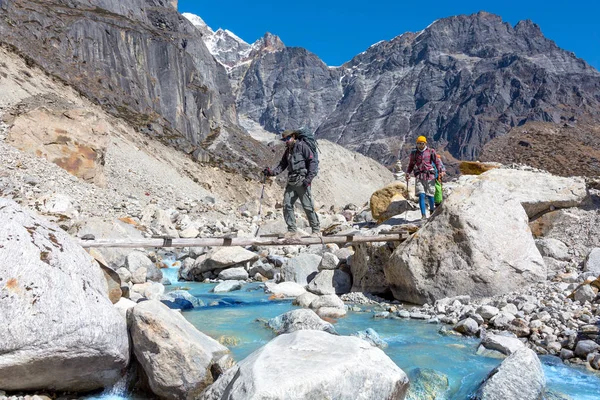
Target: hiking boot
{"type": "Point", "coordinates": [423, 217]}
{"type": "Point", "coordinates": [291, 235]}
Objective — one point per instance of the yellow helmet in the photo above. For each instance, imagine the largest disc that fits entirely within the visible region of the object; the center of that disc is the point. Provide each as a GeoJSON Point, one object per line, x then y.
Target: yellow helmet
{"type": "Point", "coordinates": [421, 139]}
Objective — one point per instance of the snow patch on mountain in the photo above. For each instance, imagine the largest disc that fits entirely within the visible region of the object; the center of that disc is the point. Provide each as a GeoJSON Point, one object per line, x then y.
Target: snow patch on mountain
{"type": "Point", "coordinates": [198, 23]}
{"type": "Point", "coordinates": [228, 48]}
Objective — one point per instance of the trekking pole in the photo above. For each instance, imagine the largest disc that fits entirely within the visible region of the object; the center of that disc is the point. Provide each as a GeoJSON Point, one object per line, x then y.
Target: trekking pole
{"type": "Point", "coordinates": [262, 194]}
{"type": "Point", "coordinates": [407, 200]}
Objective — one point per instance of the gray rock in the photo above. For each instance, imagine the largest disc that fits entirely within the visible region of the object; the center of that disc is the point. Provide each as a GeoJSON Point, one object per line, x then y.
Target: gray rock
{"type": "Point", "coordinates": [301, 269]}
{"type": "Point", "coordinates": [502, 320]}
{"type": "Point", "coordinates": [300, 319]}
{"type": "Point", "coordinates": [331, 312]}
{"type": "Point", "coordinates": [585, 347]}
{"type": "Point", "coordinates": [467, 327]}
{"type": "Point", "coordinates": [265, 269]}
{"type": "Point", "coordinates": [520, 376]}
{"type": "Point", "coordinates": [305, 299]}
{"type": "Point", "coordinates": [343, 254]}
{"type": "Point", "coordinates": [287, 289]}
{"type": "Point", "coordinates": [189, 270]}
{"type": "Point", "coordinates": [367, 268]}
{"type": "Point", "coordinates": [488, 312]}
{"type": "Point", "coordinates": [553, 248]}
{"type": "Point", "coordinates": [330, 300]}
{"type": "Point", "coordinates": [185, 295]}
{"type": "Point", "coordinates": [228, 286]}
{"type": "Point", "coordinates": [178, 360]}
{"type": "Point", "coordinates": [154, 274]}
{"type": "Point", "coordinates": [566, 354]}
{"type": "Point", "coordinates": [313, 365]}
{"type": "Point", "coordinates": [139, 275]}
{"type": "Point", "coordinates": [124, 274]}
{"type": "Point", "coordinates": [136, 260]}
{"type": "Point", "coordinates": [584, 293]}
{"type": "Point", "coordinates": [372, 337]}
{"type": "Point", "coordinates": [225, 257]}
{"type": "Point", "coordinates": [60, 330]}
{"type": "Point", "coordinates": [276, 260]}
{"type": "Point", "coordinates": [510, 309]}
{"type": "Point", "coordinates": [236, 274]}
{"type": "Point", "coordinates": [503, 344]}
{"type": "Point", "coordinates": [330, 282]}
{"type": "Point", "coordinates": [592, 261]}
{"type": "Point", "coordinates": [483, 245]}
{"type": "Point", "coordinates": [329, 261]}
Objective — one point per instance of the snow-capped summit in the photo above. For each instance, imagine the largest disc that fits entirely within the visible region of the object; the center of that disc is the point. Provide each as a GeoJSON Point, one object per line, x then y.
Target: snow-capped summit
{"type": "Point", "coordinates": [224, 45]}
{"type": "Point", "coordinates": [199, 23]}
{"type": "Point", "coordinates": [229, 49]}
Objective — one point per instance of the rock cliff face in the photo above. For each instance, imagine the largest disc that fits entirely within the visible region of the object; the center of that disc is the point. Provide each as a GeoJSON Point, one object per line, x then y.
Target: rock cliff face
{"type": "Point", "coordinates": [141, 60]}
{"type": "Point", "coordinates": [461, 82]}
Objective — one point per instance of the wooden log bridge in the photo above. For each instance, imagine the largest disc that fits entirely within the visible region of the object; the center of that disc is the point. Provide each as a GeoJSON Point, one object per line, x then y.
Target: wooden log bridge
{"type": "Point", "coordinates": [272, 240]}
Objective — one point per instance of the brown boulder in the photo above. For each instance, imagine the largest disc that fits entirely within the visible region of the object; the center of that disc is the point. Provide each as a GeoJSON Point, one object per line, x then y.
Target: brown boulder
{"type": "Point", "coordinates": [475, 167]}
{"type": "Point", "coordinates": [391, 195]}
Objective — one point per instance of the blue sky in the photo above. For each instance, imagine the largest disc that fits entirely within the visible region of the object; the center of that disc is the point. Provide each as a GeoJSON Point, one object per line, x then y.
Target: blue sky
{"type": "Point", "coordinates": [338, 30]}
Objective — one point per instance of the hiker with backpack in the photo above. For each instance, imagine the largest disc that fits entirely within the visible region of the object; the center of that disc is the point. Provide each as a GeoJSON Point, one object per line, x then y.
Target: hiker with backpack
{"type": "Point", "coordinates": [427, 168]}
{"type": "Point", "coordinates": [301, 161]}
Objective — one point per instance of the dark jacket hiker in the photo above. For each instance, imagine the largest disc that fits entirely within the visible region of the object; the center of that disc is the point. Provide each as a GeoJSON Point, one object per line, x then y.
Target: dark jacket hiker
{"type": "Point", "coordinates": [302, 166]}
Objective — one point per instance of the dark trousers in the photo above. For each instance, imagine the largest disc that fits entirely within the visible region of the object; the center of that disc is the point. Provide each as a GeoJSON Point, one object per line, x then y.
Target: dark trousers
{"type": "Point", "coordinates": [293, 193]}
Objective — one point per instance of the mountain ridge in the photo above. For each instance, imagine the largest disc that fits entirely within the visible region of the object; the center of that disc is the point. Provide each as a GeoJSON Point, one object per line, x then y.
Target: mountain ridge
{"type": "Point", "coordinates": [462, 81]}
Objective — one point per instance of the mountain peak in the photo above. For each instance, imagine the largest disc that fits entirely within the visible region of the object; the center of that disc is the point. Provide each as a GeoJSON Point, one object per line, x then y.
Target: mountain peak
{"type": "Point", "coordinates": [269, 43]}
{"type": "Point", "coordinates": [528, 27]}
{"type": "Point", "coordinates": [199, 24]}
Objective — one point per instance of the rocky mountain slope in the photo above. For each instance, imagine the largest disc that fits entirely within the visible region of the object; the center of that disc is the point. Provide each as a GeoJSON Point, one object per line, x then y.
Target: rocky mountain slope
{"type": "Point", "coordinates": [567, 150]}
{"type": "Point", "coordinates": [140, 60]}
{"type": "Point", "coordinates": [53, 141]}
{"type": "Point", "coordinates": [461, 82]}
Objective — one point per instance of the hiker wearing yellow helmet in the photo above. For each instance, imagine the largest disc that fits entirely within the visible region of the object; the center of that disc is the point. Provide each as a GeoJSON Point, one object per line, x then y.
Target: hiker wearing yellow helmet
{"type": "Point", "coordinates": [423, 163]}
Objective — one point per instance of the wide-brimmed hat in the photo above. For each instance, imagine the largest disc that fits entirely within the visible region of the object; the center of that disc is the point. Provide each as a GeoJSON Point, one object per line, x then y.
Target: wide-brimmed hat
{"type": "Point", "coordinates": [287, 133]}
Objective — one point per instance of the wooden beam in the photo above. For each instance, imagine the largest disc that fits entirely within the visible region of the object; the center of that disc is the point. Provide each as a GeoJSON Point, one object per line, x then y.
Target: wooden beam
{"type": "Point", "coordinates": [258, 241]}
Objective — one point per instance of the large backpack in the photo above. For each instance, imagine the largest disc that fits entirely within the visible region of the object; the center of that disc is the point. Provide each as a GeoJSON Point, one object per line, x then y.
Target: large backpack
{"type": "Point", "coordinates": [308, 137]}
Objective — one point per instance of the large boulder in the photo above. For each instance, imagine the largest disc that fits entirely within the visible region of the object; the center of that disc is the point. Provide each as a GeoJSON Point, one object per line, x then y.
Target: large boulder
{"type": "Point", "coordinates": [330, 282]}
{"type": "Point", "coordinates": [389, 201]}
{"type": "Point", "coordinates": [479, 242]}
{"type": "Point", "coordinates": [368, 275]}
{"type": "Point", "coordinates": [301, 269]}
{"type": "Point", "coordinates": [313, 365]}
{"type": "Point", "coordinates": [225, 257]}
{"type": "Point", "coordinates": [115, 229]}
{"type": "Point", "coordinates": [520, 376]}
{"type": "Point", "coordinates": [59, 330]}
{"type": "Point", "coordinates": [179, 360]}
